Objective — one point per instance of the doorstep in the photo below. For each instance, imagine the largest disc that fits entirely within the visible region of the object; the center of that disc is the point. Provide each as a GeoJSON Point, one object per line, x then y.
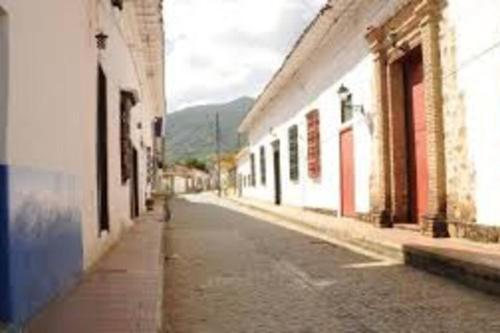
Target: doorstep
{"type": "Point", "coordinates": [476, 265]}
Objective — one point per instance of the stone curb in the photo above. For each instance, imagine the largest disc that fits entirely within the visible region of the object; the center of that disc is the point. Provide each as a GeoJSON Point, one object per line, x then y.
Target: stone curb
{"type": "Point", "coordinates": [161, 325]}
{"type": "Point", "coordinates": [478, 275]}
{"type": "Point", "coordinates": [387, 250]}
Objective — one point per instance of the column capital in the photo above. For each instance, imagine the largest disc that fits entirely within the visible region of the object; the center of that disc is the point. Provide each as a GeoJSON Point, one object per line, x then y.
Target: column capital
{"type": "Point", "coordinates": [427, 11]}
{"type": "Point", "coordinates": [375, 37]}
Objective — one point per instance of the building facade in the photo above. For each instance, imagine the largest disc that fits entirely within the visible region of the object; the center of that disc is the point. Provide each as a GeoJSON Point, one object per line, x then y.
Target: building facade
{"type": "Point", "coordinates": [179, 179]}
{"type": "Point", "coordinates": [81, 92]}
{"type": "Point", "coordinates": [382, 112]}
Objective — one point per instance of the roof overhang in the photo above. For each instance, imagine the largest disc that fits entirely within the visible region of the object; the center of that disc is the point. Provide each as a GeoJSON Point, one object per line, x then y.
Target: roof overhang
{"type": "Point", "coordinates": [144, 32]}
{"type": "Point", "coordinates": [311, 38]}
{"type": "Point", "coordinates": [242, 153]}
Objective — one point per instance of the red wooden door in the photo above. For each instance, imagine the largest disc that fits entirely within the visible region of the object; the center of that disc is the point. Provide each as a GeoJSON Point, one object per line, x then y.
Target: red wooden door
{"type": "Point", "coordinates": [347, 173]}
{"type": "Point", "coordinates": [417, 137]}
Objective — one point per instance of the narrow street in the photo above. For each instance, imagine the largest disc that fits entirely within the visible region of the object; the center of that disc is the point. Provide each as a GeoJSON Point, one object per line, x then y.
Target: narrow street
{"type": "Point", "coordinates": [227, 272]}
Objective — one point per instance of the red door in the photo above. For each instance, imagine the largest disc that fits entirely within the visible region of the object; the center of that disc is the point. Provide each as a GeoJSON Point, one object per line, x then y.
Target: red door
{"type": "Point", "coordinates": [347, 173]}
{"type": "Point", "coordinates": [417, 137]}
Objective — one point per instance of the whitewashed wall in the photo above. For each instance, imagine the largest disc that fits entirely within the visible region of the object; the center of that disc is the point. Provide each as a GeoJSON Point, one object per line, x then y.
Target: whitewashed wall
{"type": "Point", "coordinates": [476, 29]}
{"type": "Point", "coordinates": [52, 102]}
{"type": "Point", "coordinates": [120, 70]}
{"type": "Point", "coordinates": [243, 170]}
{"type": "Point", "coordinates": [179, 185]}
{"type": "Point", "coordinates": [343, 58]}
{"type": "Point", "coordinates": [48, 108]}
{"type": "Point", "coordinates": [471, 32]}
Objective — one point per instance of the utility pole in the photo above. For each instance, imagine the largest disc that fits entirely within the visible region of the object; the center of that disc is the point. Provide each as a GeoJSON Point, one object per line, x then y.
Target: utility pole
{"type": "Point", "coordinates": [217, 143]}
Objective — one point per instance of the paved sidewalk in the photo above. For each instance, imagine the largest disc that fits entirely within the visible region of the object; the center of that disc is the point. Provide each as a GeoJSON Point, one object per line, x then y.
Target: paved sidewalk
{"type": "Point", "coordinates": [474, 264]}
{"type": "Point", "coordinates": [122, 294]}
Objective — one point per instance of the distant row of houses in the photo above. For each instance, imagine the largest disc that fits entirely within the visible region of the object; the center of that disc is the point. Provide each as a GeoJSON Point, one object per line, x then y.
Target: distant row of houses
{"type": "Point", "coordinates": [81, 108]}
{"type": "Point", "coordinates": [181, 179]}
{"type": "Point", "coordinates": [386, 111]}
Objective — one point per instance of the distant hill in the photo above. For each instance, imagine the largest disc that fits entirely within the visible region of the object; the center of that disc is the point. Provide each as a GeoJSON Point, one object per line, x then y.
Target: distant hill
{"type": "Point", "coordinates": [190, 133]}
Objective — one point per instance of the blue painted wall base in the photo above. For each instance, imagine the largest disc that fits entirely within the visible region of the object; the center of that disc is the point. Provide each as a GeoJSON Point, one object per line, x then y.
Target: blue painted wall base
{"type": "Point", "coordinates": [40, 239]}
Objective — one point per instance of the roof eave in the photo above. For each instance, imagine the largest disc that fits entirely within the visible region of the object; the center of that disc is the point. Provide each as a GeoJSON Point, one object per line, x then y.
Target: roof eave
{"type": "Point", "coordinates": [306, 43]}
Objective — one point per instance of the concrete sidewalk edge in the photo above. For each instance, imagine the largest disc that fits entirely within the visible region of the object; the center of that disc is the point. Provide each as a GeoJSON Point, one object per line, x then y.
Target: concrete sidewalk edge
{"type": "Point", "coordinates": [161, 285]}
{"type": "Point", "coordinates": [477, 275]}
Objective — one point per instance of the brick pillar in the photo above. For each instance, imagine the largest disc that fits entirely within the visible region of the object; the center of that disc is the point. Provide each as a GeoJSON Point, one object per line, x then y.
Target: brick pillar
{"type": "Point", "coordinates": [380, 191]}
{"type": "Point", "coordinates": [434, 223]}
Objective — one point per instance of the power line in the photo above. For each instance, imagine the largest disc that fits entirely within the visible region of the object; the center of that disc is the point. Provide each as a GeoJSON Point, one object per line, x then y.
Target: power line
{"type": "Point", "coordinates": [217, 140]}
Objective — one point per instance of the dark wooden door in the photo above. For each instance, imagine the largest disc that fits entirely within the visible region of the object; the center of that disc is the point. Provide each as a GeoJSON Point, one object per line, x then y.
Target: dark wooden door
{"type": "Point", "coordinates": [347, 179]}
{"type": "Point", "coordinates": [102, 152]}
{"type": "Point", "coordinates": [277, 172]}
{"type": "Point", "coordinates": [416, 137]}
{"type": "Point", "coordinates": [134, 185]}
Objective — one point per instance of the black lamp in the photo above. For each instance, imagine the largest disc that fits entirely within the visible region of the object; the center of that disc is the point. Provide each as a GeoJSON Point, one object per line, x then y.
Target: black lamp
{"type": "Point", "coordinates": [344, 93]}
{"type": "Point", "coordinates": [101, 38]}
{"type": "Point", "coordinates": [118, 4]}
{"type": "Point", "coordinates": [345, 96]}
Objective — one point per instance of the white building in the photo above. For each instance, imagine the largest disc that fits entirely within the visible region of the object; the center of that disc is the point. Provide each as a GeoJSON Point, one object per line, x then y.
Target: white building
{"type": "Point", "coordinates": [81, 88]}
{"type": "Point", "coordinates": [386, 110]}
{"type": "Point", "coordinates": [179, 179]}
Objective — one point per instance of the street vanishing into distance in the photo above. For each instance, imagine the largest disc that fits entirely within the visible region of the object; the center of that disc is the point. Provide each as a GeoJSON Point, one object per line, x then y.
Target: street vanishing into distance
{"type": "Point", "coordinates": [249, 166]}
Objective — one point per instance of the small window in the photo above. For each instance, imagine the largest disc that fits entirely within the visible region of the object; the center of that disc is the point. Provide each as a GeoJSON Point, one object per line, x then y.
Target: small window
{"type": "Point", "coordinates": [346, 110]}
{"type": "Point", "coordinates": [127, 102]}
{"type": "Point", "coordinates": [262, 165]}
{"type": "Point", "coordinates": [313, 144]}
{"type": "Point", "coordinates": [158, 127]}
{"type": "Point", "coordinates": [293, 148]}
{"type": "Point", "coordinates": [252, 170]}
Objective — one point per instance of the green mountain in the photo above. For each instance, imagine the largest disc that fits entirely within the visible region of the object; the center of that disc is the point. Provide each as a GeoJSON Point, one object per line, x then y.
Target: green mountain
{"type": "Point", "coordinates": [190, 133]}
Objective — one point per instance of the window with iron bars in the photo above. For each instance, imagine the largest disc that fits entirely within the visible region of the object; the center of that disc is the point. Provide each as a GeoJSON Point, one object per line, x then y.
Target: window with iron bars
{"type": "Point", "coordinates": [127, 102]}
{"type": "Point", "coordinates": [263, 165]}
{"type": "Point", "coordinates": [252, 170]}
{"type": "Point", "coordinates": [293, 148]}
{"type": "Point", "coordinates": [313, 144]}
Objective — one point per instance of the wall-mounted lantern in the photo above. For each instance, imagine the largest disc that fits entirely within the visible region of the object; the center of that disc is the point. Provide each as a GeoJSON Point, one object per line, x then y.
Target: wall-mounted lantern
{"type": "Point", "coordinates": [102, 39]}
{"type": "Point", "coordinates": [117, 3]}
{"type": "Point", "coordinates": [345, 96]}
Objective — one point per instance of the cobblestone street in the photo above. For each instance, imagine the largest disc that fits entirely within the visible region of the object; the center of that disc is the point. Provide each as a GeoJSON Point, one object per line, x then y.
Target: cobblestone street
{"type": "Point", "coordinates": [227, 272]}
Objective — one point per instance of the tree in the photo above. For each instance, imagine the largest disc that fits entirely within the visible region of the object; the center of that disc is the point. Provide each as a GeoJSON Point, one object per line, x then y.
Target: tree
{"type": "Point", "coordinates": [195, 163]}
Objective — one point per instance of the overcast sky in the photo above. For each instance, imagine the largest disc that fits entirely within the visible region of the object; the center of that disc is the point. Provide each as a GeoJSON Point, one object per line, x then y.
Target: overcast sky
{"type": "Point", "coordinates": [219, 50]}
